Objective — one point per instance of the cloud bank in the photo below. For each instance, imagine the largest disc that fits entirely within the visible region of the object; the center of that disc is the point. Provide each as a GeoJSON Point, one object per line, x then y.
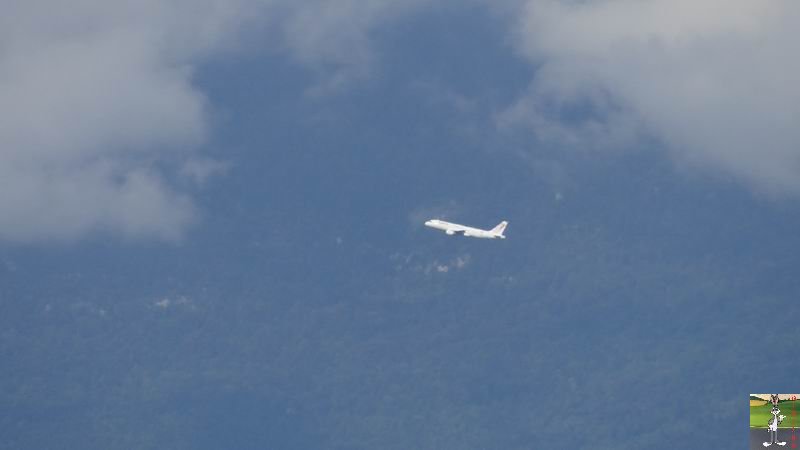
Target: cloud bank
{"type": "Point", "coordinates": [99, 116]}
{"type": "Point", "coordinates": [715, 82]}
{"type": "Point", "coordinates": [100, 120]}
{"type": "Point", "coordinates": [96, 99]}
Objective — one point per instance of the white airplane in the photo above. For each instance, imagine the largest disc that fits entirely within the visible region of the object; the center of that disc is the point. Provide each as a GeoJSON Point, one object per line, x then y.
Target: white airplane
{"type": "Point", "coordinates": [454, 228]}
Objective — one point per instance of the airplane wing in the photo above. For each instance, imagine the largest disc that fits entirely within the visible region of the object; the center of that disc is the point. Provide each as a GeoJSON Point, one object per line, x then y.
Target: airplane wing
{"type": "Point", "coordinates": [454, 228]}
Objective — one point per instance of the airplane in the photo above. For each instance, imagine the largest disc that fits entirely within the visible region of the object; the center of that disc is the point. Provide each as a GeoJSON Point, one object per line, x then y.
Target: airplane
{"type": "Point", "coordinates": [454, 228]}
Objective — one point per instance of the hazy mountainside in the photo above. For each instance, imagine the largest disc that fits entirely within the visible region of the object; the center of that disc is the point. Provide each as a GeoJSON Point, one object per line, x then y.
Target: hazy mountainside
{"type": "Point", "coordinates": [584, 316]}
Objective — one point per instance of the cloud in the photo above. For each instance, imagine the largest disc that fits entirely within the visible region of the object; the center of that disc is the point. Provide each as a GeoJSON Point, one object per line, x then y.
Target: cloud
{"type": "Point", "coordinates": [198, 170]}
{"type": "Point", "coordinates": [100, 121]}
{"type": "Point", "coordinates": [456, 263]}
{"type": "Point", "coordinates": [334, 37]}
{"type": "Point", "coordinates": [421, 263]}
{"type": "Point", "coordinates": [96, 100]}
{"type": "Point", "coordinates": [174, 302]}
{"type": "Point", "coordinates": [714, 82]}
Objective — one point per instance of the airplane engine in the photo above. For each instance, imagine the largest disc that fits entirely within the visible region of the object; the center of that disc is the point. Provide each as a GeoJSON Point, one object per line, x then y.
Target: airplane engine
{"type": "Point", "coordinates": [450, 232]}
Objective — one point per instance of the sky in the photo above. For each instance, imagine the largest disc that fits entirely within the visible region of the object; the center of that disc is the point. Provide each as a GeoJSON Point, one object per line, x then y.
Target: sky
{"type": "Point", "coordinates": [211, 222]}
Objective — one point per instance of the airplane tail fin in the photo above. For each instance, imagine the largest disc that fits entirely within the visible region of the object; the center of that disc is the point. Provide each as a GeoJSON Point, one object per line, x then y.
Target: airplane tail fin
{"type": "Point", "coordinates": [500, 228]}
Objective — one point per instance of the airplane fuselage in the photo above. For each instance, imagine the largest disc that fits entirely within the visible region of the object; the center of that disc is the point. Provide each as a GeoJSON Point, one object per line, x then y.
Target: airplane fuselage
{"type": "Point", "coordinates": [454, 228]}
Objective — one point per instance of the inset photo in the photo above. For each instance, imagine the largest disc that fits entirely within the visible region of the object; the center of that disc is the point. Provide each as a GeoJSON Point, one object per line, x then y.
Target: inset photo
{"type": "Point", "coordinates": [773, 420]}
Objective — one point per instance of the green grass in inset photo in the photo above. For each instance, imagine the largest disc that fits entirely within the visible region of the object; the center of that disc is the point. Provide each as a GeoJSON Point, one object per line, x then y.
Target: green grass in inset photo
{"type": "Point", "coordinates": [760, 415]}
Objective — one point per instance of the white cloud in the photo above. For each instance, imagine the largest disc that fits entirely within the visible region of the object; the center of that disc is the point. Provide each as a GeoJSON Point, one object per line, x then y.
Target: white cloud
{"type": "Point", "coordinates": [456, 263]}
{"type": "Point", "coordinates": [97, 98]}
{"type": "Point", "coordinates": [422, 264]}
{"type": "Point", "coordinates": [174, 302]}
{"type": "Point", "coordinates": [94, 96]}
{"type": "Point", "coordinates": [714, 81]}
{"type": "Point", "coordinates": [198, 170]}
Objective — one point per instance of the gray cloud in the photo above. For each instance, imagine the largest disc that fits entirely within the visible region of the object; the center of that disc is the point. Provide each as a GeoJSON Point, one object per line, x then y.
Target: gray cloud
{"type": "Point", "coordinates": [713, 81]}
{"type": "Point", "coordinates": [334, 37]}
